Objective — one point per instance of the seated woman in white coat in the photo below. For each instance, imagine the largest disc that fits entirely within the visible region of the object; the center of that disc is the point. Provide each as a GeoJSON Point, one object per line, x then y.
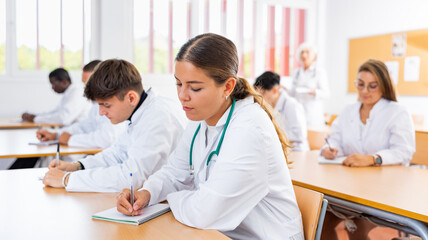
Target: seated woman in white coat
{"type": "Point", "coordinates": [289, 113]}
{"type": "Point", "coordinates": [310, 85]}
{"type": "Point", "coordinates": [375, 131]}
{"type": "Point", "coordinates": [93, 131]}
{"type": "Point", "coordinates": [155, 127]}
{"type": "Point", "coordinates": [229, 172]}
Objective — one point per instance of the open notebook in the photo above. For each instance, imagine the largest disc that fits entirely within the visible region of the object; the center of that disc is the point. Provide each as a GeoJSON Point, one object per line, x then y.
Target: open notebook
{"type": "Point", "coordinates": [149, 213]}
{"type": "Point", "coordinates": [337, 160]}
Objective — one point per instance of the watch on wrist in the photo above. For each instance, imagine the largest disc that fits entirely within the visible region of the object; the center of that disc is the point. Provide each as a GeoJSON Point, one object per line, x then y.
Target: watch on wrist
{"type": "Point", "coordinates": [377, 160]}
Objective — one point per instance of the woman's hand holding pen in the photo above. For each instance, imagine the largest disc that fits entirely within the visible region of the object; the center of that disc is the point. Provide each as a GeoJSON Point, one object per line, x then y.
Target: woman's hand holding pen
{"type": "Point", "coordinates": [44, 135]}
{"type": "Point", "coordinates": [141, 200]}
{"type": "Point", "coordinates": [329, 153]}
{"type": "Point", "coordinates": [64, 166]}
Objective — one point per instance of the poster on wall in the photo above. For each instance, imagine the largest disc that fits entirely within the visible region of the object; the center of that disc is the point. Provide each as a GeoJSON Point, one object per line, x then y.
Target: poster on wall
{"type": "Point", "coordinates": [399, 44]}
{"type": "Point", "coordinates": [412, 68]}
{"type": "Point", "coordinates": [393, 67]}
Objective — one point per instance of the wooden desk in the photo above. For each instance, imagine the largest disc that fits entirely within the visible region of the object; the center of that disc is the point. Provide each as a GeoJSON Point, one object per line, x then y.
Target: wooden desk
{"type": "Point", "coordinates": [10, 123]}
{"type": "Point", "coordinates": [394, 189]}
{"type": "Point", "coordinates": [31, 211]}
{"type": "Point", "coordinates": [14, 143]}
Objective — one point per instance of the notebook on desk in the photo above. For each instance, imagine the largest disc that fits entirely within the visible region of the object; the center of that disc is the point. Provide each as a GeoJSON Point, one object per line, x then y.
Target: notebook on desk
{"type": "Point", "coordinates": [149, 213]}
{"type": "Point", "coordinates": [337, 160]}
{"type": "Point", "coordinates": [44, 143]}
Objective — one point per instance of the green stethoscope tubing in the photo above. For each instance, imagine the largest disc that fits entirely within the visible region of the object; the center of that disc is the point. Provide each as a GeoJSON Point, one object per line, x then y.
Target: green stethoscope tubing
{"type": "Point", "coordinates": [217, 151]}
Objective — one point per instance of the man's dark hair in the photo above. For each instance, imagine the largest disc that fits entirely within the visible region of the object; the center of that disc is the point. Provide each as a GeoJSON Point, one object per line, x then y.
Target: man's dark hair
{"type": "Point", "coordinates": [60, 74]}
{"type": "Point", "coordinates": [113, 77]}
{"type": "Point", "coordinates": [91, 66]}
{"type": "Point", "coordinates": [267, 80]}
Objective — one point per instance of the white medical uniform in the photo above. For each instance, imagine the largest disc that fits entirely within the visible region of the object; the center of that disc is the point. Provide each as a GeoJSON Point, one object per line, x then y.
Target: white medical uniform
{"type": "Point", "coordinates": [246, 192]}
{"type": "Point", "coordinates": [304, 80]}
{"type": "Point", "coordinates": [154, 131]}
{"type": "Point", "coordinates": [291, 118]}
{"type": "Point", "coordinates": [388, 132]}
{"type": "Point", "coordinates": [73, 107]}
{"type": "Point", "coordinates": [94, 131]}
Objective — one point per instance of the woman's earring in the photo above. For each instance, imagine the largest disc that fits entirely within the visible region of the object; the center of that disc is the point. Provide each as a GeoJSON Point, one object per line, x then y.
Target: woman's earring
{"type": "Point", "coordinates": [226, 97]}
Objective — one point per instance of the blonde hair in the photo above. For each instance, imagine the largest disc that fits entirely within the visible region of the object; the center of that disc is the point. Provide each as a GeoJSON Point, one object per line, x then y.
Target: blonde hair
{"type": "Point", "coordinates": [217, 57]}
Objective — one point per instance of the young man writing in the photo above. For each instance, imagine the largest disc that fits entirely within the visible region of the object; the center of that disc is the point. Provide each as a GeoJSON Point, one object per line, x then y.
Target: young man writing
{"type": "Point", "coordinates": [93, 131]}
{"type": "Point", "coordinates": [155, 126]}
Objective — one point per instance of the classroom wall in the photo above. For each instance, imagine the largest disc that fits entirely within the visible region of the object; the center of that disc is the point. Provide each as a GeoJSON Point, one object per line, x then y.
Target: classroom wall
{"type": "Point", "coordinates": [353, 19]}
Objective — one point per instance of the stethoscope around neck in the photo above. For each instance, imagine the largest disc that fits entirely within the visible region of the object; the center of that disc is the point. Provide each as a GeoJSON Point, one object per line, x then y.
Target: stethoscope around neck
{"type": "Point", "coordinates": [217, 151]}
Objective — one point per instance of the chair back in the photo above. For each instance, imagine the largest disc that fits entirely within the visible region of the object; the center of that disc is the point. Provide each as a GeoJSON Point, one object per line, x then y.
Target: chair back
{"type": "Point", "coordinates": [316, 138]}
{"type": "Point", "coordinates": [311, 206]}
{"type": "Point", "coordinates": [421, 155]}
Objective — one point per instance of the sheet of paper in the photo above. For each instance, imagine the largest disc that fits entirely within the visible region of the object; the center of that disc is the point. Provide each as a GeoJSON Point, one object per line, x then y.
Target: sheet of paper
{"type": "Point", "coordinates": [399, 44]}
{"type": "Point", "coordinates": [412, 68]}
{"type": "Point", "coordinates": [393, 67]}
{"type": "Point", "coordinates": [44, 143]}
{"type": "Point", "coordinates": [337, 160]}
{"type": "Point", "coordinates": [302, 90]}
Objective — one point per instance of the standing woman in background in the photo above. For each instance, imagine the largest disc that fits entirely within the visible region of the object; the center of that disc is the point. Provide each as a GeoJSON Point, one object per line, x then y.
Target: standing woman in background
{"type": "Point", "coordinates": [375, 131]}
{"type": "Point", "coordinates": [310, 85]}
{"type": "Point", "coordinates": [229, 171]}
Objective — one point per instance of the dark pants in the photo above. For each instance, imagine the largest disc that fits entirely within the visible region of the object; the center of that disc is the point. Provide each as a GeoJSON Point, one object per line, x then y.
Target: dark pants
{"type": "Point", "coordinates": [24, 163]}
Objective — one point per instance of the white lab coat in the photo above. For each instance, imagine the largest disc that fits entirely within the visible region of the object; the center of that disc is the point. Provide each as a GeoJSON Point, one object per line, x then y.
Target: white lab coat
{"type": "Point", "coordinates": [303, 81]}
{"type": "Point", "coordinates": [291, 118]}
{"type": "Point", "coordinates": [73, 107]}
{"type": "Point", "coordinates": [388, 132]}
{"type": "Point", "coordinates": [247, 193]}
{"type": "Point", "coordinates": [152, 135]}
{"type": "Point", "coordinates": [94, 131]}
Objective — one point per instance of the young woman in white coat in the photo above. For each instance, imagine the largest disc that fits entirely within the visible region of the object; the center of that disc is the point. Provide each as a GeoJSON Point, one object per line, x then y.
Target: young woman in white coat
{"type": "Point", "coordinates": [289, 113]}
{"type": "Point", "coordinates": [375, 131]}
{"type": "Point", "coordinates": [229, 172]}
{"type": "Point", "coordinates": [310, 86]}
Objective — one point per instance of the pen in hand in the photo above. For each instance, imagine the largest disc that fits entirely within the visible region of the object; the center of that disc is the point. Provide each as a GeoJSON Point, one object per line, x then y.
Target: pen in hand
{"type": "Point", "coordinates": [328, 144]}
{"type": "Point", "coordinates": [57, 155]}
{"type": "Point", "coordinates": [132, 196]}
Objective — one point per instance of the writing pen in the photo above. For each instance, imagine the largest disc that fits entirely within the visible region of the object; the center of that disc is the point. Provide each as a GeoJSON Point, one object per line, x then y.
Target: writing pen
{"type": "Point", "coordinates": [328, 144]}
{"type": "Point", "coordinates": [57, 155]}
{"type": "Point", "coordinates": [132, 196]}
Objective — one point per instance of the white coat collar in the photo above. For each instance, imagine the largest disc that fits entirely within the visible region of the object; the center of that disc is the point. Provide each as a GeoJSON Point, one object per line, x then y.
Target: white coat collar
{"type": "Point", "coordinates": [238, 105]}
{"type": "Point", "coordinates": [282, 100]}
{"type": "Point", "coordinates": [382, 103]}
{"type": "Point", "coordinates": [151, 94]}
{"type": "Point", "coordinates": [69, 89]}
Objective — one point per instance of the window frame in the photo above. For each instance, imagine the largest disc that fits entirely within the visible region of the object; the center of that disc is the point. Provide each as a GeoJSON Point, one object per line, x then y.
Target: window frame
{"type": "Point", "coordinates": [259, 39]}
{"type": "Point", "coordinates": [12, 71]}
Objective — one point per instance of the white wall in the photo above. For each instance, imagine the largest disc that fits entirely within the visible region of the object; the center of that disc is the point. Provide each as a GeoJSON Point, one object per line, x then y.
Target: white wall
{"type": "Point", "coordinates": [345, 19]}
